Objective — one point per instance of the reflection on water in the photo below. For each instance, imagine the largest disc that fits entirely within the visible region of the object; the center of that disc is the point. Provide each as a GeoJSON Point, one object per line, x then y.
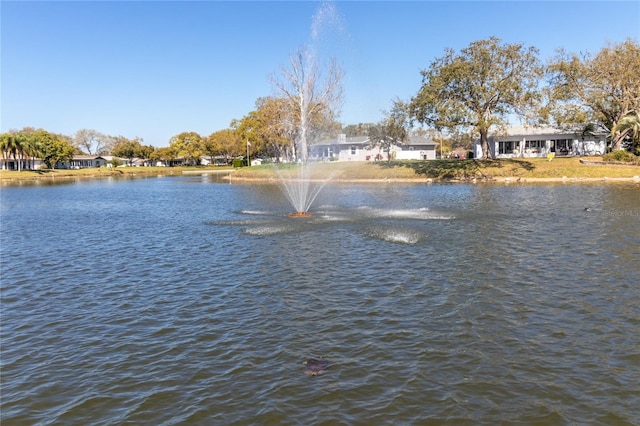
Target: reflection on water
{"type": "Point", "coordinates": [183, 301]}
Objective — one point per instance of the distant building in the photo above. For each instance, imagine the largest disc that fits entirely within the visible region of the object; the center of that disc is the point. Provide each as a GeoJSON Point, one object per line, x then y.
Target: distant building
{"type": "Point", "coordinates": [82, 162]}
{"type": "Point", "coordinates": [359, 148]}
{"type": "Point", "coordinates": [218, 160]}
{"type": "Point", "coordinates": [534, 141]}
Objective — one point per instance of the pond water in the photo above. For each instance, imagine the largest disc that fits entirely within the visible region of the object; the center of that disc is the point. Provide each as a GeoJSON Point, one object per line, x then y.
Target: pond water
{"type": "Point", "coordinates": [184, 300]}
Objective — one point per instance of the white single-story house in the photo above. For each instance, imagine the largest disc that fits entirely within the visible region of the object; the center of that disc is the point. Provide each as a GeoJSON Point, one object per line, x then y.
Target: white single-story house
{"type": "Point", "coordinates": [535, 141]}
{"type": "Point", "coordinates": [359, 148]}
{"type": "Point", "coordinates": [128, 162]}
{"type": "Point", "coordinates": [218, 160]}
{"type": "Point", "coordinates": [82, 162]}
{"type": "Point", "coordinates": [22, 164]}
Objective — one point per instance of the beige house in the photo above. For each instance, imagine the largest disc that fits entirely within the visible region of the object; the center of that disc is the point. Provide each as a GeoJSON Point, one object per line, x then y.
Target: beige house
{"type": "Point", "coordinates": [359, 148]}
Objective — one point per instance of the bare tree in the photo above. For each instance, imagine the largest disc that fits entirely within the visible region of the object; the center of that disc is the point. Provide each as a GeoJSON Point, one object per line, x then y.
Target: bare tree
{"type": "Point", "coordinates": [312, 97]}
{"type": "Point", "coordinates": [90, 141]}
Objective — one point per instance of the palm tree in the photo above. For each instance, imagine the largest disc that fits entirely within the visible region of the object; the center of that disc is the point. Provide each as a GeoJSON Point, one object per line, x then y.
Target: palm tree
{"type": "Point", "coordinates": [21, 149]}
{"type": "Point", "coordinates": [10, 145]}
{"type": "Point", "coordinates": [629, 125]}
{"type": "Point", "coordinates": [4, 146]}
{"type": "Point", "coordinates": [31, 149]}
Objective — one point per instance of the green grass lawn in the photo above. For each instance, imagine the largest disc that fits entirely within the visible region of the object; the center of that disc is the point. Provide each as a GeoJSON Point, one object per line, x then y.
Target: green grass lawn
{"type": "Point", "coordinates": [8, 175]}
{"type": "Point", "coordinates": [523, 169]}
{"type": "Point", "coordinates": [532, 168]}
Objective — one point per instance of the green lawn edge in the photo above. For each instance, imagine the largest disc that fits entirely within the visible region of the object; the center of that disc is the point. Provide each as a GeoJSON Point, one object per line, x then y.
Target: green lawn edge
{"type": "Point", "coordinates": [531, 169]}
{"type": "Point", "coordinates": [455, 170]}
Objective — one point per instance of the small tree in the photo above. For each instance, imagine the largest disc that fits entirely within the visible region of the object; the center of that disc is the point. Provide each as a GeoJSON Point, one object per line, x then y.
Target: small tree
{"type": "Point", "coordinates": [226, 143]}
{"type": "Point", "coordinates": [129, 149]}
{"type": "Point", "coordinates": [188, 145]}
{"type": "Point", "coordinates": [52, 148]}
{"type": "Point", "coordinates": [392, 129]}
{"type": "Point", "coordinates": [165, 154]}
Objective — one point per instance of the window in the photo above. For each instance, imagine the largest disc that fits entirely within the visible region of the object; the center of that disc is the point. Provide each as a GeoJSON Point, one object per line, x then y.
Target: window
{"type": "Point", "coordinates": [564, 146]}
{"type": "Point", "coordinates": [506, 147]}
{"type": "Point", "coordinates": [535, 144]}
{"type": "Point", "coordinates": [535, 147]}
{"type": "Point", "coordinates": [353, 150]}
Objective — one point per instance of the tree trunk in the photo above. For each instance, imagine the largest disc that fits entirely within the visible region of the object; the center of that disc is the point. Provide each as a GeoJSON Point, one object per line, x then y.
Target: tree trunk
{"type": "Point", "coordinates": [18, 160]}
{"type": "Point", "coordinates": [484, 143]}
{"type": "Point", "coordinates": [616, 142]}
{"type": "Point", "coordinates": [302, 149]}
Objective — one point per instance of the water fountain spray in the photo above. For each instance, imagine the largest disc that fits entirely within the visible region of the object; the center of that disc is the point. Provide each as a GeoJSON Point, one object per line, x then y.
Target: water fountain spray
{"type": "Point", "coordinates": [312, 93]}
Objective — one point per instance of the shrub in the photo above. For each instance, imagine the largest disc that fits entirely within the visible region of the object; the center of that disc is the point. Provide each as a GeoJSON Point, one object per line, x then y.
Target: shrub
{"type": "Point", "coordinates": [622, 156]}
{"type": "Point", "coordinates": [239, 162]}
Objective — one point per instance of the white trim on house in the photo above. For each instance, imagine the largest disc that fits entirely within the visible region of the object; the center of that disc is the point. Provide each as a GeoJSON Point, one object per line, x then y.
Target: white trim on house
{"type": "Point", "coordinates": [358, 148]}
{"type": "Point", "coordinates": [534, 141]}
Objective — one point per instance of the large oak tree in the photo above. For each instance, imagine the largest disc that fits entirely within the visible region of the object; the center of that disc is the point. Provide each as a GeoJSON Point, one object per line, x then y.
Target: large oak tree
{"type": "Point", "coordinates": [479, 87]}
{"type": "Point", "coordinates": [601, 88]}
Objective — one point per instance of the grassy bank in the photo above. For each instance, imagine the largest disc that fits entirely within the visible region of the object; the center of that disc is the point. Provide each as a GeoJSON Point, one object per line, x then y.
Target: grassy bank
{"type": "Point", "coordinates": [523, 170]}
{"type": "Point", "coordinates": [102, 172]}
{"type": "Point", "coordinates": [531, 169]}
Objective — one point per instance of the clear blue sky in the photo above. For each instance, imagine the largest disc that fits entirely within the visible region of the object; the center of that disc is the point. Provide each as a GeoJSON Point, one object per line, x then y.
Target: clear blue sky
{"type": "Point", "coordinates": [153, 69]}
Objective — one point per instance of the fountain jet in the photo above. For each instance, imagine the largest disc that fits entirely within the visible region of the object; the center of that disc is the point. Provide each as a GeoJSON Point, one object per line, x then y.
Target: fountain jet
{"type": "Point", "coordinates": [300, 214]}
{"type": "Point", "coordinates": [300, 189]}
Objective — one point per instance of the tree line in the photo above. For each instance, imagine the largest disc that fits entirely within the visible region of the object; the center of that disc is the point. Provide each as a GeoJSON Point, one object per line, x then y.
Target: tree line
{"type": "Point", "coordinates": [481, 86]}
{"type": "Point", "coordinates": [462, 95]}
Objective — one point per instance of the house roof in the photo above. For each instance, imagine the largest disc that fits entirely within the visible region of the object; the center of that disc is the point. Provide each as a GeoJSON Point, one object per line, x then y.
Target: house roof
{"type": "Point", "coordinates": [420, 140]}
{"type": "Point", "coordinates": [363, 140]}
{"type": "Point", "coordinates": [87, 157]}
{"type": "Point", "coordinates": [355, 140]}
{"type": "Point", "coordinates": [524, 130]}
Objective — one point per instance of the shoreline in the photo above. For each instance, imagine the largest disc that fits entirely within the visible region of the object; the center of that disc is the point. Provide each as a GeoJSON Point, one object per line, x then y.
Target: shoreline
{"type": "Point", "coordinates": [8, 181]}
{"type": "Point", "coordinates": [509, 171]}
{"type": "Point", "coordinates": [499, 179]}
{"type": "Point", "coordinates": [101, 173]}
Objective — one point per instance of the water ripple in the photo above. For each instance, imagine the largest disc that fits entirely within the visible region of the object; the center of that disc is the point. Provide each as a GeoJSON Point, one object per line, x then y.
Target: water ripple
{"type": "Point", "coordinates": [517, 309]}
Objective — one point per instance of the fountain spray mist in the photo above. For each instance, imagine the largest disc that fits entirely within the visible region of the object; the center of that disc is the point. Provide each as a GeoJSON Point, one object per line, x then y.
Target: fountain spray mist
{"type": "Point", "coordinates": [313, 93]}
